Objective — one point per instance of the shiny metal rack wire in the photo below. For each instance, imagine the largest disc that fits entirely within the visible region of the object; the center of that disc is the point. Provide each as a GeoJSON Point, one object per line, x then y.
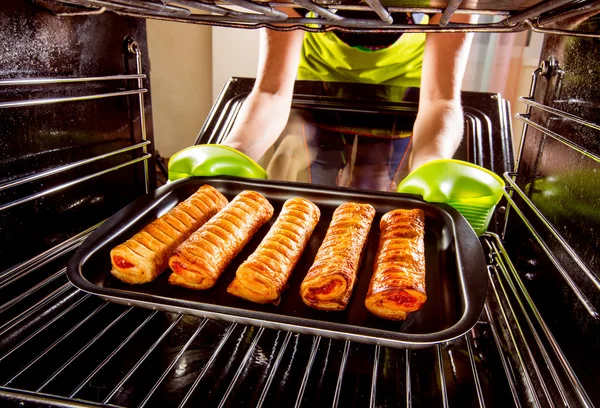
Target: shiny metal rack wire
{"type": "Point", "coordinates": [540, 17]}
{"type": "Point", "coordinates": [551, 68]}
{"type": "Point", "coordinates": [23, 269]}
{"type": "Point", "coordinates": [139, 90]}
{"type": "Point", "coordinates": [102, 361]}
{"type": "Point", "coordinates": [62, 347]}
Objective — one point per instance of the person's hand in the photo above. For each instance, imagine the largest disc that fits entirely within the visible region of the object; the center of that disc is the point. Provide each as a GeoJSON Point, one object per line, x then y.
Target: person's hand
{"type": "Point", "coordinates": [438, 128]}
{"type": "Point", "coordinates": [259, 123]}
{"type": "Point", "coordinates": [266, 110]}
{"type": "Point", "coordinates": [438, 131]}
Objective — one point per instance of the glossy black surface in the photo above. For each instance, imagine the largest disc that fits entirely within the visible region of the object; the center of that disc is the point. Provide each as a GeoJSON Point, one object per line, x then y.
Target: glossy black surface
{"type": "Point", "coordinates": [34, 43]}
{"type": "Point", "coordinates": [563, 181]}
{"type": "Point", "coordinates": [456, 271]}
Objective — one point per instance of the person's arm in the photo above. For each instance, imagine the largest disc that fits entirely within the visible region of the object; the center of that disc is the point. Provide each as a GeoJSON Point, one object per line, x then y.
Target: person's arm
{"type": "Point", "coordinates": [438, 128]}
{"type": "Point", "coordinates": [266, 110]}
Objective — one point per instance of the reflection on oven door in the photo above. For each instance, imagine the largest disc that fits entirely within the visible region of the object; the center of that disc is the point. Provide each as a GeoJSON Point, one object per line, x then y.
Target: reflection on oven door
{"type": "Point", "coordinates": [346, 149]}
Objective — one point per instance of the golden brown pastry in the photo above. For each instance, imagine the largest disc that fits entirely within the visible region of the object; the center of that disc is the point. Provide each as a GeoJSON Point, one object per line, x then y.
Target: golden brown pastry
{"type": "Point", "coordinates": [329, 282]}
{"type": "Point", "coordinates": [143, 257]}
{"type": "Point", "coordinates": [263, 276]}
{"type": "Point", "coordinates": [199, 261]}
{"type": "Point", "coordinates": [398, 283]}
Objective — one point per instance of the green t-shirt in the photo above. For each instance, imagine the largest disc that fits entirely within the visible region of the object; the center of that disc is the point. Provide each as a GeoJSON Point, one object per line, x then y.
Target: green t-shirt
{"type": "Point", "coordinates": [325, 57]}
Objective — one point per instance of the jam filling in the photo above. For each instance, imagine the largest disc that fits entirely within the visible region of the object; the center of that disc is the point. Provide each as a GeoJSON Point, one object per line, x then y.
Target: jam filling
{"type": "Point", "coordinates": [403, 298]}
{"type": "Point", "coordinates": [326, 289]}
{"type": "Point", "coordinates": [122, 262]}
{"type": "Point", "coordinates": [177, 267]}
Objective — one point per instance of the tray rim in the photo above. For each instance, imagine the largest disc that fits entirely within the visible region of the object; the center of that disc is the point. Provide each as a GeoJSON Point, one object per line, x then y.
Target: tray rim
{"type": "Point", "coordinates": [467, 244]}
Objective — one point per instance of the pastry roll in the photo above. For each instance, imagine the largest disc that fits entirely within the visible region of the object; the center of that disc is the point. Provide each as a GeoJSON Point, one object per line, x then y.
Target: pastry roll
{"type": "Point", "coordinates": [143, 257]}
{"type": "Point", "coordinates": [263, 276]}
{"type": "Point", "coordinates": [329, 282]}
{"type": "Point", "coordinates": [199, 261]}
{"type": "Point", "coordinates": [398, 283]}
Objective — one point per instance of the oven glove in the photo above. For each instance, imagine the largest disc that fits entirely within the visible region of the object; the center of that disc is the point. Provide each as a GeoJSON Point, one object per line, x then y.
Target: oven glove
{"type": "Point", "coordinates": [470, 189]}
{"type": "Point", "coordinates": [213, 160]}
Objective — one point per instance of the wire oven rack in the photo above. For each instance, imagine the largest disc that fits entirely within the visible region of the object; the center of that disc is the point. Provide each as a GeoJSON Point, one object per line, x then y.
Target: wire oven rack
{"type": "Point", "coordinates": [539, 17]}
{"type": "Point", "coordinates": [62, 347]}
{"type": "Point", "coordinates": [20, 270]}
{"type": "Point", "coordinates": [59, 344]}
{"type": "Point", "coordinates": [550, 67]}
{"type": "Point", "coordinates": [139, 90]}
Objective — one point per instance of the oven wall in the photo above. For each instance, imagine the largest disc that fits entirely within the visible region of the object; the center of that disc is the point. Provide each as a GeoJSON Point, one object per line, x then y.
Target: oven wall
{"type": "Point", "coordinates": [34, 42]}
{"type": "Point", "coordinates": [559, 172]}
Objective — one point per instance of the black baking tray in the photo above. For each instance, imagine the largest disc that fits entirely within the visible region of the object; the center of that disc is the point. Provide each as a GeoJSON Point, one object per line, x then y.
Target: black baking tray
{"type": "Point", "coordinates": [456, 275]}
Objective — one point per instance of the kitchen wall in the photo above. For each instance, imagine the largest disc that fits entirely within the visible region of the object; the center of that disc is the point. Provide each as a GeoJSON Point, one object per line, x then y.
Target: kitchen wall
{"type": "Point", "coordinates": [503, 63]}
{"type": "Point", "coordinates": [181, 81]}
{"type": "Point", "coordinates": [189, 66]}
{"type": "Point", "coordinates": [235, 53]}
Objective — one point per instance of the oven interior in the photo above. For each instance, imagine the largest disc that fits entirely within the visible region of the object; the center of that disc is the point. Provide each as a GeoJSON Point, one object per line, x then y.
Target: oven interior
{"type": "Point", "coordinates": [76, 139]}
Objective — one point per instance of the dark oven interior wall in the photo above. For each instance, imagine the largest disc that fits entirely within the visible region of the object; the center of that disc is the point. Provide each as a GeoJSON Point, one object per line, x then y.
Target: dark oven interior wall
{"type": "Point", "coordinates": [34, 42]}
{"type": "Point", "coordinates": [562, 179]}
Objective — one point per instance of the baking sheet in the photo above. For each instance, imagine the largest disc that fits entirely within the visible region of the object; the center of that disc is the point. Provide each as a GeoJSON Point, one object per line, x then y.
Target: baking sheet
{"type": "Point", "coordinates": [456, 278]}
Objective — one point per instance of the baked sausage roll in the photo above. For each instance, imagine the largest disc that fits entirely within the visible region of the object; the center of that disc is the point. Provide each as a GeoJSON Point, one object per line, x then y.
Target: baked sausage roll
{"type": "Point", "coordinates": [398, 283]}
{"type": "Point", "coordinates": [143, 257]}
{"type": "Point", "coordinates": [329, 282]}
{"type": "Point", "coordinates": [200, 260]}
{"type": "Point", "coordinates": [263, 276]}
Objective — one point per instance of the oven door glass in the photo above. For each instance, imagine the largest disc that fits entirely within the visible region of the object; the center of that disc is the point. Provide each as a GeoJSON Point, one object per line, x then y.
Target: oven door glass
{"type": "Point", "coordinates": [342, 148]}
{"type": "Point", "coordinates": [359, 136]}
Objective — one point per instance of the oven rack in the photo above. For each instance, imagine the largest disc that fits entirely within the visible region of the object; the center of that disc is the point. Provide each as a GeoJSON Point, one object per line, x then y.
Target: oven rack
{"type": "Point", "coordinates": [139, 90]}
{"type": "Point", "coordinates": [62, 347]}
{"type": "Point", "coordinates": [564, 386]}
{"type": "Point", "coordinates": [549, 68]}
{"type": "Point", "coordinates": [540, 17]}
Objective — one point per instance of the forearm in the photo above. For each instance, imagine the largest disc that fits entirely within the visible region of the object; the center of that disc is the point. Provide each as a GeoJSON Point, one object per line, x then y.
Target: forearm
{"type": "Point", "coordinates": [438, 128]}
{"type": "Point", "coordinates": [266, 110]}
{"type": "Point", "coordinates": [437, 132]}
{"type": "Point", "coordinates": [259, 123]}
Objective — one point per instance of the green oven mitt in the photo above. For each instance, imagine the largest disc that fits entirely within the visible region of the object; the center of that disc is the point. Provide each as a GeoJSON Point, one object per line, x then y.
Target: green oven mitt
{"type": "Point", "coordinates": [213, 160]}
{"type": "Point", "coordinates": [470, 189]}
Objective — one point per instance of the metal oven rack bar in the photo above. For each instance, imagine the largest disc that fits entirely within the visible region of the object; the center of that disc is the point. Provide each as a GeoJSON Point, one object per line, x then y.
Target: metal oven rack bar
{"type": "Point", "coordinates": [565, 274]}
{"type": "Point", "coordinates": [509, 314]}
{"type": "Point", "coordinates": [73, 182]}
{"type": "Point", "coordinates": [69, 166]}
{"type": "Point", "coordinates": [530, 102]}
{"type": "Point", "coordinates": [549, 372]}
{"type": "Point", "coordinates": [257, 14]}
{"type": "Point", "coordinates": [54, 288]}
{"type": "Point", "coordinates": [20, 271]}
{"type": "Point", "coordinates": [513, 187]}
{"type": "Point", "coordinates": [140, 90]}
{"type": "Point", "coordinates": [45, 257]}
{"type": "Point", "coordinates": [537, 372]}
{"type": "Point", "coordinates": [48, 101]}
{"type": "Point", "coordinates": [525, 376]}
{"type": "Point", "coordinates": [502, 267]}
